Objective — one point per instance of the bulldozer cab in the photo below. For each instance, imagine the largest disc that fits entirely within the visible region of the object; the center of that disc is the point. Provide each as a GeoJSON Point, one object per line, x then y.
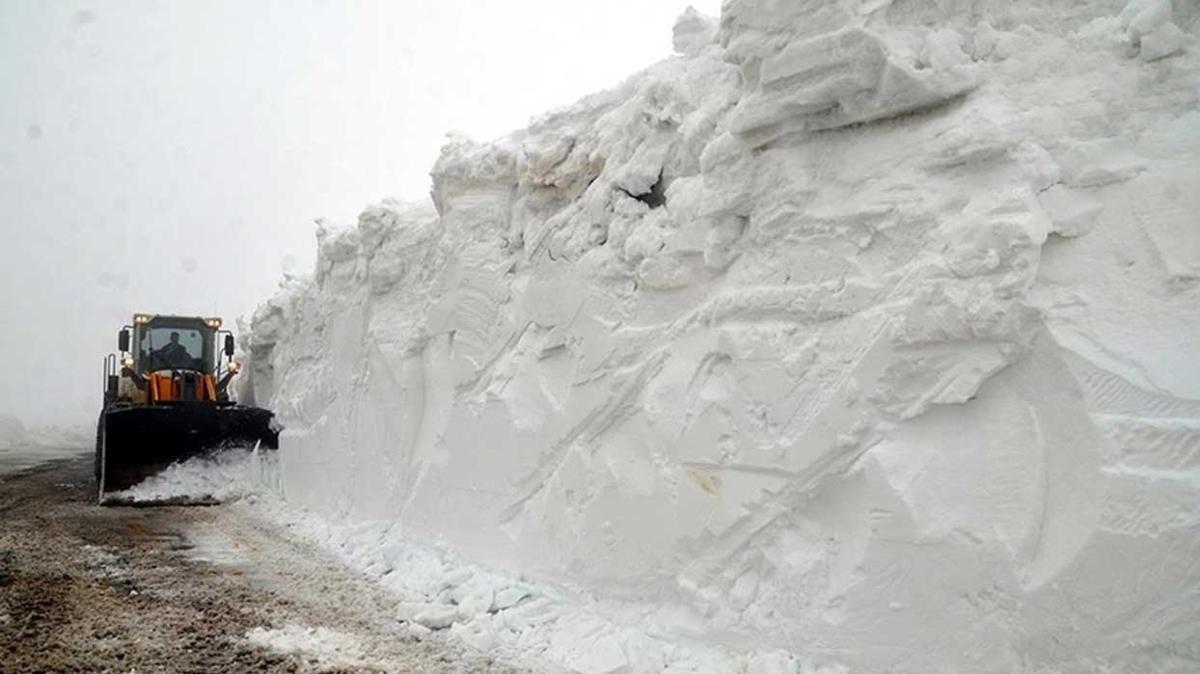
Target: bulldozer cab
{"type": "Point", "coordinates": [171, 343]}
{"type": "Point", "coordinates": [173, 359]}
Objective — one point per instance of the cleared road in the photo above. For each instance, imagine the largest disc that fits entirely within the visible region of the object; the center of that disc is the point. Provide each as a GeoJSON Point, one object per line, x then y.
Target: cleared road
{"type": "Point", "coordinates": [179, 589]}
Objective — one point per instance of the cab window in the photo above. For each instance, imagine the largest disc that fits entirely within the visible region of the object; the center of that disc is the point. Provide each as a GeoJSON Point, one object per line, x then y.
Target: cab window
{"type": "Point", "coordinates": [171, 348]}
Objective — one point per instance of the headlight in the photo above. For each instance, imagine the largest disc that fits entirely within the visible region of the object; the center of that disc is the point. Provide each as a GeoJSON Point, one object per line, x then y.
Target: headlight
{"type": "Point", "coordinates": [141, 318]}
{"type": "Point", "coordinates": [127, 361]}
{"type": "Point", "coordinates": [234, 366]}
{"type": "Point", "coordinates": [213, 322]}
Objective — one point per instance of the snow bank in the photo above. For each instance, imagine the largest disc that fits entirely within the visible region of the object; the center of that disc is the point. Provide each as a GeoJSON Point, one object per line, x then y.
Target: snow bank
{"type": "Point", "coordinates": [864, 332]}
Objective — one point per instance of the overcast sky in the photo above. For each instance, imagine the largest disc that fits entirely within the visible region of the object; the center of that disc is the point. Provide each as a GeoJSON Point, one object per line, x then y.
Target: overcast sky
{"type": "Point", "coordinates": [172, 156]}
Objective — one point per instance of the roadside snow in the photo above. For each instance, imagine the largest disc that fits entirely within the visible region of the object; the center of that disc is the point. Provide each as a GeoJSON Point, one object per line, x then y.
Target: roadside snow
{"type": "Point", "coordinates": [864, 331]}
{"type": "Point", "coordinates": [501, 616]}
{"type": "Point", "coordinates": [511, 618]}
{"type": "Point", "coordinates": [498, 615]}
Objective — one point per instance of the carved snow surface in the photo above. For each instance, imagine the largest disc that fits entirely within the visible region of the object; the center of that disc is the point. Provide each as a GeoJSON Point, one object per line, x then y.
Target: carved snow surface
{"type": "Point", "coordinates": [840, 78]}
{"type": "Point", "coordinates": [856, 335]}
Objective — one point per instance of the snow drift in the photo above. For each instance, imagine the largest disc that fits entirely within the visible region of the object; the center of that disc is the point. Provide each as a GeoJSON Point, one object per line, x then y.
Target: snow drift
{"type": "Point", "coordinates": [865, 331]}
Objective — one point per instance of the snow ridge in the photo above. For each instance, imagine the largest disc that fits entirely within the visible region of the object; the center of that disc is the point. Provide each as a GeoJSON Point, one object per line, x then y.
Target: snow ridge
{"type": "Point", "coordinates": [860, 332]}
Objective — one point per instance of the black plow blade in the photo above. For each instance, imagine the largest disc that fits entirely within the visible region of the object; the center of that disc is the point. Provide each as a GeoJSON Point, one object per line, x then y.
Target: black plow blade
{"type": "Point", "coordinates": [137, 442]}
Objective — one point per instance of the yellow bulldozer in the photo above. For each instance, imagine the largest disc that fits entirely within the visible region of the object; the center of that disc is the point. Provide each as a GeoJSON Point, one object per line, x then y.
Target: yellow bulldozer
{"type": "Point", "coordinates": [166, 399]}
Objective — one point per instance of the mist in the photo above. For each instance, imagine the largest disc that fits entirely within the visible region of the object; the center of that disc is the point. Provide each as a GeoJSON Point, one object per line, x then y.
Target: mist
{"type": "Point", "coordinates": [171, 157]}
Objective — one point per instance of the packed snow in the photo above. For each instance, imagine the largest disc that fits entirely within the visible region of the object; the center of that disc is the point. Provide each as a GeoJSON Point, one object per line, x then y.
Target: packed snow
{"type": "Point", "coordinates": [857, 336]}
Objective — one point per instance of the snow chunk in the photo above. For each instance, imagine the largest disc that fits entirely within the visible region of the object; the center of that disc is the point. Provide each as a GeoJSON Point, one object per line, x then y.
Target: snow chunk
{"type": "Point", "coordinates": [321, 646]}
{"type": "Point", "coordinates": [1142, 17]}
{"type": "Point", "coordinates": [844, 77]}
{"type": "Point", "coordinates": [433, 616]}
{"type": "Point", "coordinates": [693, 32]}
{"type": "Point", "coordinates": [1072, 212]}
{"type": "Point", "coordinates": [1162, 42]}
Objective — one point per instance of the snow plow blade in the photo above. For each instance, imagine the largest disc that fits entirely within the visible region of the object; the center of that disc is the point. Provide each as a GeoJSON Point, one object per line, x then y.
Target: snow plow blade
{"type": "Point", "coordinates": [136, 442]}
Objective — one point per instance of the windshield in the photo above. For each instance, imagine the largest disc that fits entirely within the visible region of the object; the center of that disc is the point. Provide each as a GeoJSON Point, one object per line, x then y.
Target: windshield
{"type": "Point", "coordinates": [172, 348]}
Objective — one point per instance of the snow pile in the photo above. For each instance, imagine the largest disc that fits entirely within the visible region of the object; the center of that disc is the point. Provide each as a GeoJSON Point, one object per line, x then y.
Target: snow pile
{"type": "Point", "coordinates": [860, 331]}
{"type": "Point", "coordinates": [228, 475]}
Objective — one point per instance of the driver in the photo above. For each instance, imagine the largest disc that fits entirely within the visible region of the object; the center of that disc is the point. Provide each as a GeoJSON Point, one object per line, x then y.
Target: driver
{"type": "Point", "coordinates": [174, 354]}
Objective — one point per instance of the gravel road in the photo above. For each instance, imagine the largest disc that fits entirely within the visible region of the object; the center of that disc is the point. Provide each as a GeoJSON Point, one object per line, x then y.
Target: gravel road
{"type": "Point", "coordinates": [183, 589]}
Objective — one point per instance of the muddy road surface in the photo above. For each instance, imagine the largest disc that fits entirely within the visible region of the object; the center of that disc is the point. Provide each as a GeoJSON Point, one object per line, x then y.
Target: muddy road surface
{"type": "Point", "coordinates": [85, 588]}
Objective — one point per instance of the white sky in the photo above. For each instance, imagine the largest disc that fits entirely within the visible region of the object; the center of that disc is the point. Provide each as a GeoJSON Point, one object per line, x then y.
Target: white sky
{"type": "Point", "coordinates": [171, 156]}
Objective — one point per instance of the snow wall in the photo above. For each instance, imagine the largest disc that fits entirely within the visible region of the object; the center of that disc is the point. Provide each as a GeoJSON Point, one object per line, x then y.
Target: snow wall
{"type": "Point", "coordinates": [864, 330]}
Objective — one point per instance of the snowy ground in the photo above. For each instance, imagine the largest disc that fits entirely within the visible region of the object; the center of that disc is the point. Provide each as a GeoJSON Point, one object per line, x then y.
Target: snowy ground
{"type": "Point", "coordinates": [89, 588]}
{"type": "Point", "coordinates": [433, 592]}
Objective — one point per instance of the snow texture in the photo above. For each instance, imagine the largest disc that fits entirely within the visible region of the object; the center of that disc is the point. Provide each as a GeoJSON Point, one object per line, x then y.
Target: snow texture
{"type": "Point", "coordinates": [319, 646]}
{"type": "Point", "coordinates": [228, 475]}
{"type": "Point", "coordinates": [856, 334]}
{"type": "Point", "coordinates": [511, 619]}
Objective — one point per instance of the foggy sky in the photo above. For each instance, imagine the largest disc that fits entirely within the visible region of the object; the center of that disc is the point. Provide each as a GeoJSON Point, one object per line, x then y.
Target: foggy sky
{"type": "Point", "coordinates": [171, 157]}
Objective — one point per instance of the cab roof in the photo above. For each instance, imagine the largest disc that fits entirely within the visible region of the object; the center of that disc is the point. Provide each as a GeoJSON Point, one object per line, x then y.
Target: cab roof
{"type": "Point", "coordinates": [167, 319]}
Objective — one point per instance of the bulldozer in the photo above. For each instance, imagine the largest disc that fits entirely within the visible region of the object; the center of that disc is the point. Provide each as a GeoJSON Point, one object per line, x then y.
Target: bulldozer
{"type": "Point", "coordinates": [166, 399]}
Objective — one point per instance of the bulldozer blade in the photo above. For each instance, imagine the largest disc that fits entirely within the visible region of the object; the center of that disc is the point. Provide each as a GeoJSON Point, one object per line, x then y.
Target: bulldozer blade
{"type": "Point", "coordinates": [137, 442]}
